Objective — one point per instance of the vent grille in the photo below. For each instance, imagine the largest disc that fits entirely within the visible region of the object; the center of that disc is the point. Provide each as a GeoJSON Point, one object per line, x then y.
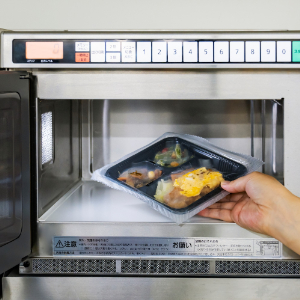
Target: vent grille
{"type": "Point", "coordinates": [132, 266]}
{"type": "Point", "coordinates": [162, 267]}
{"type": "Point", "coordinates": [258, 267]}
{"type": "Point", "coordinates": [76, 266]}
{"type": "Point", "coordinates": [47, 137]}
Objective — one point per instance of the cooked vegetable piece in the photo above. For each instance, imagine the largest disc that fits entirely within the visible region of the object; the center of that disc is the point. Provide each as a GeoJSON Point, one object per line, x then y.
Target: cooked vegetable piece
{"type": "Point", "coordinates": [188, 187]}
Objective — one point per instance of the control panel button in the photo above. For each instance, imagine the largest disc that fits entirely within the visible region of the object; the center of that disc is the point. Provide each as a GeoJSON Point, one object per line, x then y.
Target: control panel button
{"type": "Point", "coordinates": [221, 51]}
{"type": "Point", "coordinates": [296, 51]}
{"type": "Point", "coordinates": [97, 51]}
{"type": "Point", "coordinates": [128, 51]}
{"type": "Point", "coordinates": [190, 52]}
{"type": "Point", "coordinates": [113, 46]}
{"type": "Point", "coordinates": [237, 51]}
{"type": "Point", "coordinates": [284, 51]}
{"type": "Point", "coordinates": [143, 51]}
{"type": "Point", "coordinates": [82, 57]}
{"type": "Point", "coordinates": [206, 53]}
{"type": "Point", "coordinates": [159, 52]}
{"type": "Point", "coordinates": [174, 51]}
{"type": "Point", "coordinates": [268, 53]}
{"type": "Point", "coordinates": [82, 46]}
{"type": "Point", "coordinates": [252, 51]}
{"type": "Point", "coordinates": [113, 57]}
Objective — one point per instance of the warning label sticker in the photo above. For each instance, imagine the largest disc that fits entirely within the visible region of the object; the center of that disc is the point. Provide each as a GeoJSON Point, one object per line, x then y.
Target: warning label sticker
{"type": "Point", "coordinates": [149, 246]}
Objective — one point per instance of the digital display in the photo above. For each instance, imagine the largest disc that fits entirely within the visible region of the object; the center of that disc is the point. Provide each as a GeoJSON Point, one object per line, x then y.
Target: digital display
{"type": "Point", "coordinates": [44, 50]}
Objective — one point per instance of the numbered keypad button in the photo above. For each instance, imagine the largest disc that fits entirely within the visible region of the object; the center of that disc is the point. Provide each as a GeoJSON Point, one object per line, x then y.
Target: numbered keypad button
{"type": "Point", "coordinates": [128, 51]}
{"type": "Point", "coordinates": [268, 53]}
{"type": "Point", "coordinates": [97, 51]}
{"type": "Point", "coordinates": [237, 52]}
{"type": "Point", "coordinates": [159, 52]}
{"type": "Point", "coordinates": [221, 51]}
{"type": "Point", "coordinates": [252, 51]}
{"type": "Point", "coordinates": [174, 51]}
{"type": "Point", "coordinates": [284, 51]}
{"type": "Point", "coordinates": [143, 51]}
{"type": "Point", "coordinates": [206, 53]}
{"type": "Point", "coordinates": [190, 53]}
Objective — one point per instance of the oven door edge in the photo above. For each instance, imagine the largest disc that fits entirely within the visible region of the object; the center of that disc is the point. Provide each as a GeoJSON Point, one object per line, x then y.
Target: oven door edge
{"type": "Point", "coordinates": [15, 181]}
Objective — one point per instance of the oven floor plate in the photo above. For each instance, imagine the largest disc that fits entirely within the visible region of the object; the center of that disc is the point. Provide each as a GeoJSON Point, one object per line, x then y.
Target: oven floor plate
{"type": "Point", "coordinates": [17, 287]}
{"type": "Point", "coordinates": [91, 201]}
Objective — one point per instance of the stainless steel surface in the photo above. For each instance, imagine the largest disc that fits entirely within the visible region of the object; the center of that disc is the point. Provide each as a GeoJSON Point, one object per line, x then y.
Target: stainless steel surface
{"type": "Point", "coordinates": [91, 209]}
{"type": "Point", "coordinates": [134, 123]}
{"type": "Point", "coordinates": [252, 126]}
{"type": "Point", "coordinates": [106, 132]}
{"type": "Point", "coordinates": [61, 173]}
{"type": "Point", "coordinates": [274, 135]}
{"type": "Point", "coordinates": [15, 238]}
{"type": "Point", "coordinates": [157, 267]}
{"type": "Point", "coordinates": [41, 287]}
{"type": "Point", "coordinates": [263, 133]}
{"type": "Point", "coordinates": [8, 37]}
{"type": "Point", "coordinates": [168, 85]}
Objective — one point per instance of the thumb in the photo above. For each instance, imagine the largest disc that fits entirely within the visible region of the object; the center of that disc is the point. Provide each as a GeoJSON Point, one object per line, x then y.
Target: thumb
{"type": "Point", "coordinates": [236, 186]}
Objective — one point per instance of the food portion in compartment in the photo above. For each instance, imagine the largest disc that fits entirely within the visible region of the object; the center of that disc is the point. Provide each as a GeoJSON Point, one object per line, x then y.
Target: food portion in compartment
{"type": "Point", "coordinates": [172, 156]}
{"type": "Point", "coordinates": [186, 187]}
{"type": "Point", "coordinates": [138, 177]}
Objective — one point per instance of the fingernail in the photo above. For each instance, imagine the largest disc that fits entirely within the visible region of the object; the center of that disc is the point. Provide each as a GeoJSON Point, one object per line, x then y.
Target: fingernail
{"type": "Point", "coordinates": [225, 183]}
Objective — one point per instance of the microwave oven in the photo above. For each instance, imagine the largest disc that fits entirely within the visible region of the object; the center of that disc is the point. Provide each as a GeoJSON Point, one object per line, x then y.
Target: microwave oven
{"type": "Point", "coordinates": [71, 102]}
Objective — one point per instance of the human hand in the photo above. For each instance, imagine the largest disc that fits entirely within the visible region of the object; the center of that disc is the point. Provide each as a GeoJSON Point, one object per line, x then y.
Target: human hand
{"type": "Point", "coordinates": [260, 203]}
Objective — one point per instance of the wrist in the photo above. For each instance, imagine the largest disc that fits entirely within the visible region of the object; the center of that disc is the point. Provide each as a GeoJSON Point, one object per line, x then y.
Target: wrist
{"type": "Point", "coordinates": [285, 225]}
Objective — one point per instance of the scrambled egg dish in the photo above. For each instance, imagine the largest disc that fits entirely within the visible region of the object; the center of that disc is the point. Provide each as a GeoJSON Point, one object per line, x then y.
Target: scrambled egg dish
{"type": "Point", "coordinates": [192, 183]}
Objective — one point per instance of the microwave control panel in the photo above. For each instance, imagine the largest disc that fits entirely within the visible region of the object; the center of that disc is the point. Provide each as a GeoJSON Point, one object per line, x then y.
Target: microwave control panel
{"type": "Point", "coordinates": [104, 52]}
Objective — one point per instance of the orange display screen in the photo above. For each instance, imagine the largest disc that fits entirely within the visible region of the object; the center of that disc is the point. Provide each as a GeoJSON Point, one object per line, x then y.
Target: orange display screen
{"type": "Point", "coordinates": [44, 50]}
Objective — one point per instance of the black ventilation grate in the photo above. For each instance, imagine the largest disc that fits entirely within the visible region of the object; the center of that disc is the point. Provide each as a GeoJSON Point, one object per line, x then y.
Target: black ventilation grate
{"type": "Point", "coordinates": [135, 266]}
{"type": "Point", "coordinates": [75, 266]}
{"type": "Point", "coordinates": [257, 267]}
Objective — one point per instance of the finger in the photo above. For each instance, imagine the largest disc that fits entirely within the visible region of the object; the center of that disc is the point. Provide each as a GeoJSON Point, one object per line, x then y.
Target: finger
{"type": "Point", "coordinates": [221, 214]}
{"type": "Point", "coordinates": [232, 197]}
{"type": "Point", "coordinates": [223, 205]}
{"type": "Point", "coordinates": [238, 185]}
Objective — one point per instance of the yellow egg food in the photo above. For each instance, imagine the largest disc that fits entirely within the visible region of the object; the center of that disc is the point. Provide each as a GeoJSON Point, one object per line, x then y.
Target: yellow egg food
{"type": "Point", "coordinates": [192, 183]}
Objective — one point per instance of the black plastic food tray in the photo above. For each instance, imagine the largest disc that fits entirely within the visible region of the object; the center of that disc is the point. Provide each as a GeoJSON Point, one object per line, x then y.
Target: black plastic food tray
{"type": "Point", "coordinates": [230, 169]}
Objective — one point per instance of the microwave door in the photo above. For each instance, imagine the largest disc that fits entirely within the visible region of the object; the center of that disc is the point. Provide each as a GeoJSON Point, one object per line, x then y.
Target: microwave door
{"type": "Point", "coordinates": [15, 241]}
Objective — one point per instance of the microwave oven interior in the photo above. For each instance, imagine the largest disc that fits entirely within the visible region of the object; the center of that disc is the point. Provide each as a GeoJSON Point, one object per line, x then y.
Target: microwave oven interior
{"type": "Point", "coordinates": [77, 137]}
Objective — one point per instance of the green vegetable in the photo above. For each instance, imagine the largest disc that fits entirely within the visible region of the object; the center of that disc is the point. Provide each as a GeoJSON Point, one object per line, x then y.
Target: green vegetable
{"type": "Point", "coordinates": [178, 151]}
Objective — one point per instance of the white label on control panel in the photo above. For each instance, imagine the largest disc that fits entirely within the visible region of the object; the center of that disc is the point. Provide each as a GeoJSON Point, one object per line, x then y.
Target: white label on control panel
{"type": "Point", "coordinates": [221, 51]}
{"type": "Point", "coordinates": [113, 57]}
{"type": "Point", "coordinates": [252, 51]}
{"type": "Point", "coordinates": [82, 46]}
{"type": "Point", "coordinates": [143, 51]}
{"type": "Point", "coordinates": [159, 52]}
{"type": "Point", "coordinates": [284, 51]}
{"type": "Point", "coordinates": [97, 51]}
{"type": "Point", "coordinates": [113, 46]}
{"type": "Point", "coordinates": [190, 53]}
{"type": "Point", "coordinates": [128, 51]}
{"type": "Point", "coordinates": [206, 53]}
{"type": "Point", "coordinates": [174, 51]}
{"type": "Point", "coordinates": [237, 52]}
{"type": "Point", "coordinates": [268, 53]}
{"type": "Point", "coordinates": [150, 246]}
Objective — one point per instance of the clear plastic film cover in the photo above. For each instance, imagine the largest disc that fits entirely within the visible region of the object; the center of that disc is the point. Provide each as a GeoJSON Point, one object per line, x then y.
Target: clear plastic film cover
{"type": "Point", "coordinates": [177, 174]}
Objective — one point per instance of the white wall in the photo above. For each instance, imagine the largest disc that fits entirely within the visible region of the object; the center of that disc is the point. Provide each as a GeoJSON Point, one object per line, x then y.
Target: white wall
{"type": "Point", "coordinates": [151, 14]}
